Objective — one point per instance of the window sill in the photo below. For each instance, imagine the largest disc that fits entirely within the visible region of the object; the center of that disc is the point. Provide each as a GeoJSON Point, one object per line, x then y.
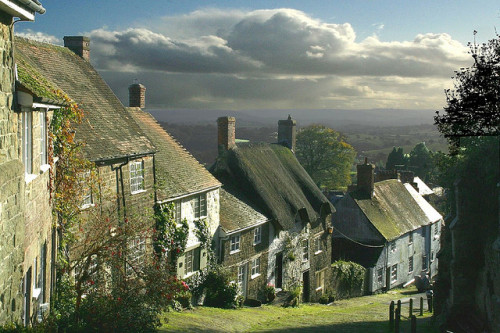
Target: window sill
{"type": "Point", "coordinates": [136, 192]}
{"type": "Point", "coordinates": [28, 178]}
{"type": "Point", "coordinates": [319, 289]}
{"type": "Point", "coordinates": [254, 276]}
{"type": "Point", "coordinates": [318, 252]}
{"type": "Point", "coordinates": [44, 168]}
{"type": "Point", "coordinates": [235, 251]}
{"type": "Point", "coordinates": [189, 275]}
{"type": "Point", "coordinates": [36, 292]}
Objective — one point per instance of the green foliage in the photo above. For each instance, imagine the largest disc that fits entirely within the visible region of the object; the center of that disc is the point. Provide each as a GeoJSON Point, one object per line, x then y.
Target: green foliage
{"type": "Point", "coordinates": [295, 293]}
{"type": "Point", "coordinates": [216, 285]}
{"type": "Point", "coordinates": [169, 237]}
{"type": "Point", "coordinates": [348, 278]}
{"type": "Point", "coordinates": [395, 158]}
{"type": "Point", "coordinates": [269, 292]}
{"type": "Point", "coordinates": [325, 155]}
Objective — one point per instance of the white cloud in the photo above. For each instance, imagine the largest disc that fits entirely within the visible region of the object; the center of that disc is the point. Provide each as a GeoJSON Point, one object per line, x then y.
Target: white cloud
{"type": "Point", "coordinates": [39, 36]}
{"type": "Point", "coordinates": [276, 58]}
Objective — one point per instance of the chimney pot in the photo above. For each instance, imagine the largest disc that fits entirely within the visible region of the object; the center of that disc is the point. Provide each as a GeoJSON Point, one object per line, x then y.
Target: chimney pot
{"type": "Point", "coordinates": [287, 132]}
{"type": "Point", "coordinates": [80, 45]}
{"type": "Point", "coordinates": [137, 95]}
{"type": "Point", "coordinates": [366, 177]}
{"type": "Point", "coordinates": [226, 128]}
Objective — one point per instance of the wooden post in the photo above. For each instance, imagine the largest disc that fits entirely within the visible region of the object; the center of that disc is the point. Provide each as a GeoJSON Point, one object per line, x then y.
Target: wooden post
{"type": "Point", "coordinates": [391, 314]}
{"type": "Point", "coordinates": [398, 319]}
{"type": "Point", "coordinates": [399, 305]}
{"type": "Point", "coordinates": [413, 324]}
{"type": "Point", "coordinates": [429, 302]}
{"type": "Point", "coordinates": [421, 306]}
{"type": "Point", "coordinates": [410, 312]}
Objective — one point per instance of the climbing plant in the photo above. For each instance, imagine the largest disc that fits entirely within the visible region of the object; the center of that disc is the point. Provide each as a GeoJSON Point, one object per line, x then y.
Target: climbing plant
{"type": "Point", "coordinates": [169, 238]}
{"type": "Point", "coordinates": [348, 278]}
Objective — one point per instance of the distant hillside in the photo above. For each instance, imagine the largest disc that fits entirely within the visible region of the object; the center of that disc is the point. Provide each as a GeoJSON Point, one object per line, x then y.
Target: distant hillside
{"type": "Point", "coordinates": [343, 120]}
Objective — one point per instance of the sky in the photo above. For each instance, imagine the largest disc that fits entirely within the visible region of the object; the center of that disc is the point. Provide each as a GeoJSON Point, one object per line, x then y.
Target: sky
{"type": "Point", "coordinates": [296, 54]}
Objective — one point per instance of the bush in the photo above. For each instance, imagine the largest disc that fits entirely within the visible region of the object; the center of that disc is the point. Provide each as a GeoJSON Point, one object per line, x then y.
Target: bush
{"type": "Point", "coordinates": [348, 279]}
{"type": "Point", "coordinates": [219, 291]}
{"type": "Point", "coordinates": [294, 296]}
{"type": "Point", "coordinates": [269, 292]}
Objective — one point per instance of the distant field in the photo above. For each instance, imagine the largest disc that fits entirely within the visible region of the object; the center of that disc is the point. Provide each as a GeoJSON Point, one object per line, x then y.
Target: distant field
{"type": "Point", "coordinates": [362, 314]}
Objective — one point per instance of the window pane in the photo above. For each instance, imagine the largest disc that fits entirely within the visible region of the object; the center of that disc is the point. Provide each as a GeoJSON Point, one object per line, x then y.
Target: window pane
{"type": "Point", "coordinates": [203, 204]}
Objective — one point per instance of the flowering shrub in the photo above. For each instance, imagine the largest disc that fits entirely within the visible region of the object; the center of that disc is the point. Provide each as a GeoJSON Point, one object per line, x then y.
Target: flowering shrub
{"type": "Point", "coordinates": [269, 292]}
{"type": "Point", "coordinates": [216, 284]}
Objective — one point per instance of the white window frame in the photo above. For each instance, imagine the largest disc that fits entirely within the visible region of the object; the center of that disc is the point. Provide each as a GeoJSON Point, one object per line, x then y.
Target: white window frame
{"type": "Point", "coordinates": [255, 267]}
{"type": "Point", "coordinates": [178, 211]}
{"type": "Point", "coordinates": [199, 203]}
{"type": "Point", "coordinates": [394, 273]}
{"type": "Point", "coordinates": [436, 228]}
{"type": "Point", "coordinates": [136, 252]}
{"type": "Point", "coordinates": [257, 235]}
{"type": "Point", "coordinates": [320, 280]}
{"type": "Point", "coordinates": [410, 265]}
{"type": "Point", "coordinates": [305, 250]}
{"type": "Point", "coordinates": [241, 275]}
{"type": "Point", "coordinates": [43, 137]}
{"type": "Point", "coordinates": [424, 262]}
{"type": "Point", "coordinates": [27, 123]}
{"type": "Point", "coordinates": [234, 242]}
{"type": "Point", "coordinates": [137, 177]}
{"type": "Point", "coordinates": [380, 275]}
{"type": "Point", "coordinates": [87, 197]}
{"type": "Point", "coordinates": [317, 245]}
{"type": "Point", "coordinates": [393, 246]}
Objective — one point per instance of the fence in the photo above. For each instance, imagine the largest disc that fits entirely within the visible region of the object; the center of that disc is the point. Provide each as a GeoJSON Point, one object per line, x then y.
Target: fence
{"type": "Point", "coordinates": [396, 309]}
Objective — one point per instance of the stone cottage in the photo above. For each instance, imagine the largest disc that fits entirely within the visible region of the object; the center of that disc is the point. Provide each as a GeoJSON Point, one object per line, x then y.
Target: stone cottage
{"type": "Point", "coordinates": [388, 228]}
{"type": "Point", "coordinates": [26, 240]}
{"type": "Point", "coordinates": [273, 181]}
{"type": "Point", "coordinates": [182, 181]}
{"type": "Point", "coordinates": [244, 244]}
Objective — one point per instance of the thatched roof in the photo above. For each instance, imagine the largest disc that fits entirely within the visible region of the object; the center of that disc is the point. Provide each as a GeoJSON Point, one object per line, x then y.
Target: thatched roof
{"type": "Point", "coordinates": [270, 176]}
{"type": "Point", "coordinates": [237, 215]}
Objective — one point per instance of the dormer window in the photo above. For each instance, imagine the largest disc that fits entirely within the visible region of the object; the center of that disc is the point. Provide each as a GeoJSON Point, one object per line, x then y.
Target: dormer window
{"type": "Point", "coordinates": [136, 176]}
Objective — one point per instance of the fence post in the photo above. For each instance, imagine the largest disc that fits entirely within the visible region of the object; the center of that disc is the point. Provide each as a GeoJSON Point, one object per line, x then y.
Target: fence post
{"type": "Point", "coordinates": [398, 319]}
{"type": "Point", "coordinates": [413, 324]}
{"type": "Point", "coordinates": [421, 306]}
{"type": "Point", "coordinates": [429, 302]}
{"type": "Point", "coordinates": [410, 312]}
{"type": "Point", "coordinates": [391, 314]}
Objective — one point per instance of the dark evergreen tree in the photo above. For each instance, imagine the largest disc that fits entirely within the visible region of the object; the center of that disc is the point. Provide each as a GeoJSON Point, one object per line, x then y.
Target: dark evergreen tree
{"type": "Point", "coordinates": [396, 159]}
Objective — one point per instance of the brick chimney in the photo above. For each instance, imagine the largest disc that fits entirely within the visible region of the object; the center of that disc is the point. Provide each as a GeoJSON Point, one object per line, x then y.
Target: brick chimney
{"type": "Point", "coordinates": [366, 177]}
{"type": "Point", "coordinates": [287, 132]}
{"type": "Point", "coordinates": [79, 45]}
{"type": "Point", "coordinates": [226, 132]}
{"type": "Point", "coordinates": [137, 95]}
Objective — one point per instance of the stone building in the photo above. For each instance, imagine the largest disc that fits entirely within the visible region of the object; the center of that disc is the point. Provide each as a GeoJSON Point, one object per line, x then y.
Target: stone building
{"type": "Point", "coordinates": [387, 227]}
{"type": "Point", "coordinates": [273, 181]}
{"type": "Point", "coordinates": [182, 181]}
{"type": "Point", "coordinates": [244, 244]}
{"type": "Point", "coordinates": [25, 239]}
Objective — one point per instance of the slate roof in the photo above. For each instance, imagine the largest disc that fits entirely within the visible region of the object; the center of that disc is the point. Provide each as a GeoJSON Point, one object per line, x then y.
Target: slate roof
{"type": "Point", "coordinates": [270, 176]}
{"type": "Point", "coordinates": [178, 172]}
{"type": "Point", "coordinates": [392, 210]}
{"type": "Point", "coordinates": [431, 213]}
{"type": "Point", "coordinates": [107, 129]}
{"type": "Point", "coordinates": [237, 215]}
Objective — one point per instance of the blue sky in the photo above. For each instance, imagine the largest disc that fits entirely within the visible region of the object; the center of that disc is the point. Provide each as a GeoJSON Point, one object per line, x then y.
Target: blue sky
{"type": "Point", "coordinates": [275, 54]}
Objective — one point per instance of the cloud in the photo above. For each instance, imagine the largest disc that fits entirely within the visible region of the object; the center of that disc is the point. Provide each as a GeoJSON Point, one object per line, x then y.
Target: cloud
{"type": "Point", "coordinates": [279, 58]}
{"type": "Point", "coordinates": [39, 36]}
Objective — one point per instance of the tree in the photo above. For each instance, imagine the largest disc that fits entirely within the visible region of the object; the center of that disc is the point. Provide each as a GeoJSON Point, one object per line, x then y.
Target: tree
{"type": "Point", "coordinates": [325, 155]}
{"type": "Point", "coordinates": [396, 157]}
{"type": "Point", "coordinates": [421, 160]}
{"type": "Point", "coordinates": [473, 106]}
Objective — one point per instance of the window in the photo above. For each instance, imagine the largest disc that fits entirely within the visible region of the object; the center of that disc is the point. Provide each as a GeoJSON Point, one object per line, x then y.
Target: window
{"type": "Point", "coordinates": [410, 265]}
{"type": "Point", "coordinates": [199, 204]}
{"type": "Point", "coordinates": [393, 246]}
{"type": "Point", "coordinates": [27, 142]}
{"type": "Point", "coordinates": [320, 280]}
{"type": "Point", "coordinates": [380, 276]}
{"type": "Point", "coordinates": [87, 199]}
{"type": "Point", "coordinates": [43, 138]}
{"type": "Point", "coordinates": [317, 245]}
{"type": "Point", "coordinates": [436, 228]}
{"type": "Point", "coordinates": [255, 267]}
{"type": "Point", "coordinates": [235, 243]}
{"type": "Point", "coordinates": [305, 250]}
{"type": "Point", "coordinates": [241, 275]}
{"type": "Point", "coordinates": [432, 256]}
{"type": "Point", "coordinates": [136, 176]}
{"type": "Point", "coordinates": [257, 235]}
{"type": "Point", "coordinates": [135, 255]}
{"type": "Point", "coordinates": [410, 237]}
{"type": "Point", "coordinates": [192, 261]}
{"type": "Point", "coordinates": [424, 262]}
{"type": "Point", "coordinates": [394, 273]}
{"type": "Point", "coordinates": [177, 211]}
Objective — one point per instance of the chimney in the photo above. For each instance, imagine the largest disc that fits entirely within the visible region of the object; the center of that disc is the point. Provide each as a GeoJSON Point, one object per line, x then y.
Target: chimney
{"type": "Point", "coordinates": [137, 95]}
{"type": "Point", "coordinates": [79, 45]}
{"type": "Point", "coordinates": [366, 177]}
{"type": "Point", "coordinates": [287, 132]}
{"type": "Point", "coordinates": [406, 176]}
{"type": "Point", "coordinates": [226, 132]}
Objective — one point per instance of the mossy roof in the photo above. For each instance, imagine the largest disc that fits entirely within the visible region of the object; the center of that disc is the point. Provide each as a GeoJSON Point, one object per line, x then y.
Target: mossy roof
{"type": "Point", "coordinates": [392, 210]}
{"type": "Point", "coordinates": [271, 177]}
{"type": "Point", "coordinates": [107, 130]}
{"type": "Point", "coordinates": [237, 215]}
{"type": "Point", "coordinates": [178, 172]}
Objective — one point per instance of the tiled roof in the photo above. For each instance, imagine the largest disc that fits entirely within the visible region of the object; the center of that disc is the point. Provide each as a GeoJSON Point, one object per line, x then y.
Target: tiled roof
{"type": "Point", "coordinates": [177, 171]}
{"type": "Point", "coordinates": [392, 210]}
{"type": "Point", "coordinates": [270, 176]}
{"type": "Point", "coordinates": [107, 129]}
{"type": "Point", "coordinates": [236, 215]}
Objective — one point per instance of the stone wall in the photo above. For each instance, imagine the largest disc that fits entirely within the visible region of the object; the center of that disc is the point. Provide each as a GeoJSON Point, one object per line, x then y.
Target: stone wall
{"type": "Point", "coordinates": [11, 187]}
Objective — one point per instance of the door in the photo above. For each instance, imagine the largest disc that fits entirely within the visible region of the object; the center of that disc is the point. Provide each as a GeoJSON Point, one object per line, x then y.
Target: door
{"type": "Point", "coordinates": [306, 286]}
{"type": "Point", "coordinates": [242, 279]}
{"type": "Point", "coordinates": [279, 270]}
{"type": "Point", "coordinates": [27, 298]}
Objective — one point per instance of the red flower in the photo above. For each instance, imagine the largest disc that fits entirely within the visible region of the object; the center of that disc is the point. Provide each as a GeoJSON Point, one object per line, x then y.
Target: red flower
{"type": "Point", "coordinates": [178, 250]}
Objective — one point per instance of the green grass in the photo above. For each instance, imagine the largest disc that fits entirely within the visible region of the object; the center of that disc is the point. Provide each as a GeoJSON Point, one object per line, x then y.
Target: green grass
{"type": "Point", "coordinates": [362, 314]}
